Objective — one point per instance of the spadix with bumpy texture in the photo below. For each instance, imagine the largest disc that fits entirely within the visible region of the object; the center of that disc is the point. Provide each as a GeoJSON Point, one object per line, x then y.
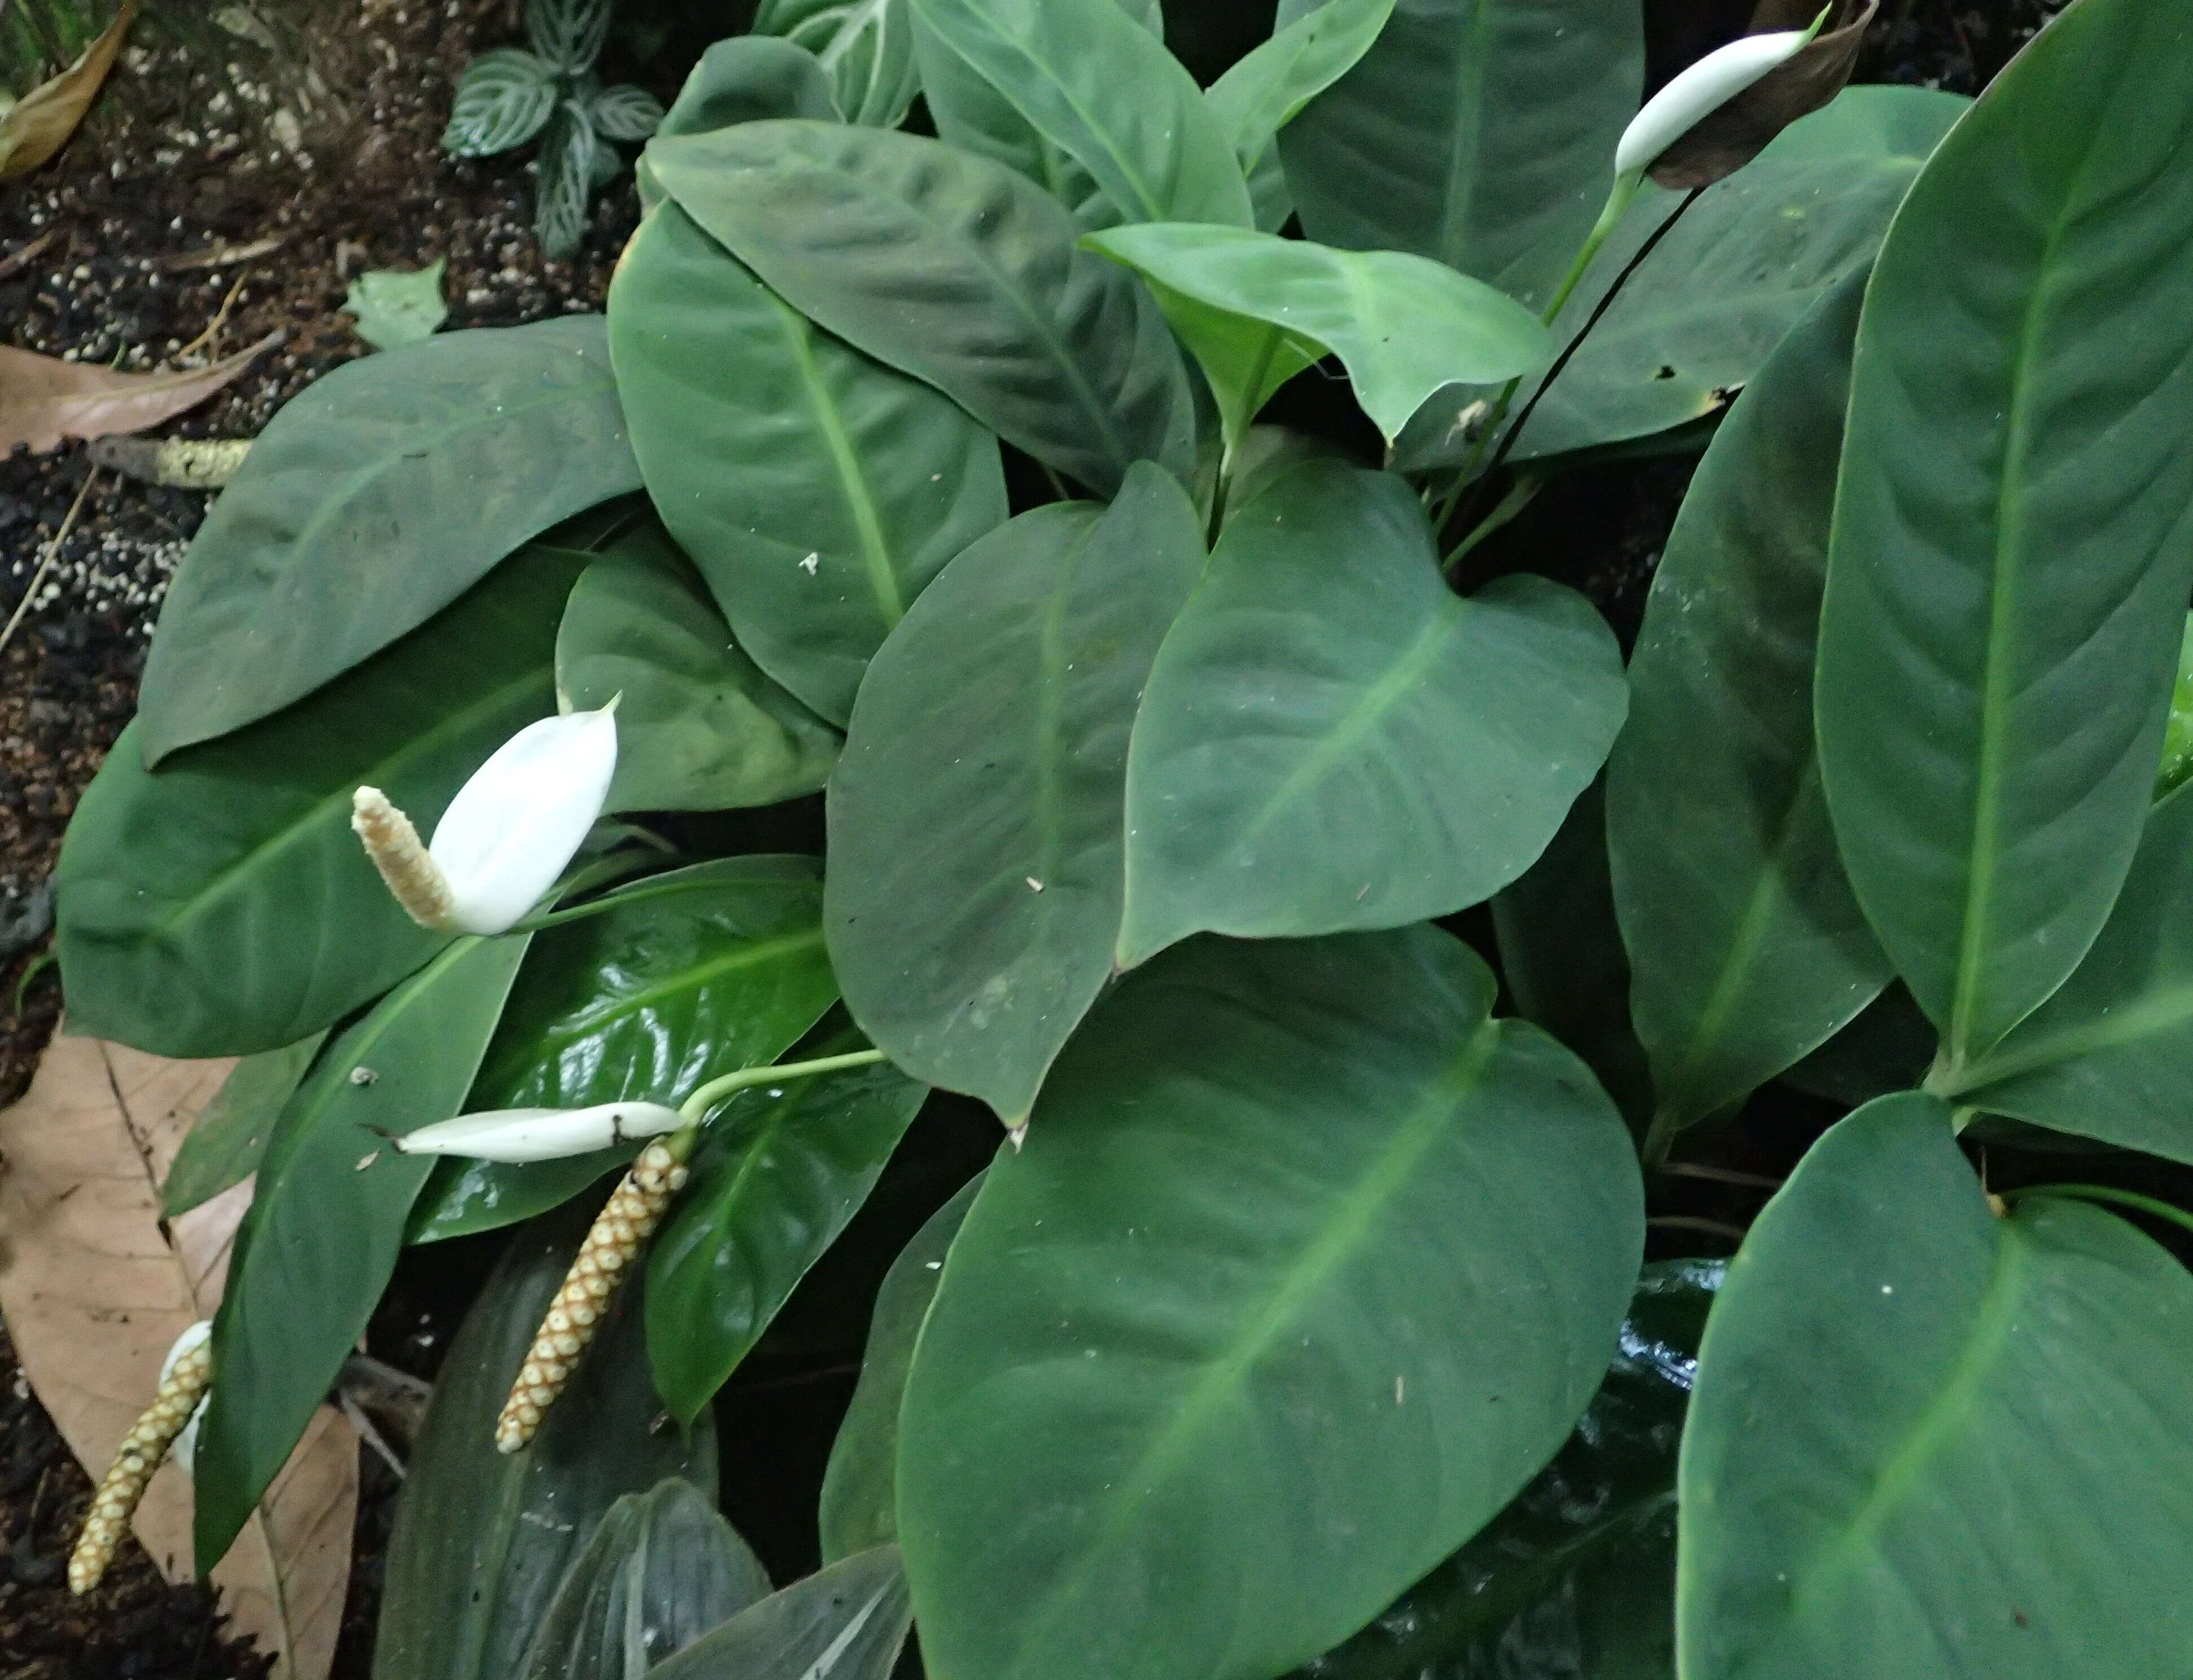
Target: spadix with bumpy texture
{"type": "Point", "coordinates": [174, 1410]}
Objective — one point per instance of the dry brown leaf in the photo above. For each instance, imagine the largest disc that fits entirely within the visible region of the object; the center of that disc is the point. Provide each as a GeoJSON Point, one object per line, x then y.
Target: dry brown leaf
{"type": "Point", "coordinates": [39, 124]}
{"type": "Point", "coordinates": [43, 400]}
{"type": "Point", "coordinates": [1725, 140]}
{"type": "Point", "coordinates": [94, 1294]}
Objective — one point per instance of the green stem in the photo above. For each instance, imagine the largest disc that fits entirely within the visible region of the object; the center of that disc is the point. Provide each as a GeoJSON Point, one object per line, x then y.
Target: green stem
{"type": "Point", "coordinates": [1519, 497]}
{"type": "Point", "coordinates": [2102, 1192]}
{"type": "Point", "coordinates": [696, 1106]}
{"type": "Point", "coordinates": [1618, 202]}
{"type": "Point", "coordinates": [1219, 491]}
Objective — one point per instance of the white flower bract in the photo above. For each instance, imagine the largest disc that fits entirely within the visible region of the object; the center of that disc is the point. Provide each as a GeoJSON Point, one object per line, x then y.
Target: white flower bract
{"type": "Point", "coordinates": [522, 817]}
{"type": "Point", "coordinates": [185, 1452]}
{"type": "Point", "coordinates": [1699, 91]}
{"type": "Point", "coordinates": [540, 1133]}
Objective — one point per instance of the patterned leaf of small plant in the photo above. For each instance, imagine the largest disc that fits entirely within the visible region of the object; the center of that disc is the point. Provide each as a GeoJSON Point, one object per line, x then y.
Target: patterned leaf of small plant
{"type": "Point", "coordinates": [624, 113]}
{"type": "Point", "coordinates": [866, 45]}
{"type": "Point", "coordinates": [503, 100]}
{"type": "Point", "coordinates": [568, 33]}
{"type": "Point", "coordinates": [570, 157]}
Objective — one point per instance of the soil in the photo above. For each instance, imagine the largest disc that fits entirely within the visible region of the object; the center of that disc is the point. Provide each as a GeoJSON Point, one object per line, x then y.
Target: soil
{"type": "Point", "coordinates": [212, 202]}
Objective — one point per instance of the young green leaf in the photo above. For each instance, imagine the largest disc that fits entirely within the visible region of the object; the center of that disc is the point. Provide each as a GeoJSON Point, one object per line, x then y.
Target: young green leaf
{"type": "Point", "coordinates": [221, 904]}
{"type": "Point", "coordinates": [2178, 736]}
{"type": "Point", "coordinates": [698, 726]}
{"type": "Point", "coordinates": [394, 307]}
{"type": "Point", "coordinates": [503, 100]}
{"type": "Point", "coordinates": [1331, 738]}
{"type": "Point", "coordinates": [1097, 85]}
{"type": "Point", "coordinates": [1307, 1267]}
{"type": "Point", "coordinates": [2006, 593]}
{"type": "Point", "coordinates": [1269, 86]}
{"type": "Point", "coordinates": [327, 1220]}
{"type": "Point", "coordinates": [1746, 946]}
{"type": "Point", "coordinates": [1929, 1440]}
{"type": "Point", "coordinates": [750, 79]}
{"type": "Point", "coordinates": [967, 276]}
{"type": "Point", "coordinates": [817, 491]}
{"type": "Point", "coordinates": [846, 1622]}
{"type": "Point", "coordinates": [224, 1144]}
{"type": "Point", "coordinates": [976, 820]}
{"type": "Point", "coordinates": [1256, 310]}
{"type": "Point", "coordinates": [866, 47]}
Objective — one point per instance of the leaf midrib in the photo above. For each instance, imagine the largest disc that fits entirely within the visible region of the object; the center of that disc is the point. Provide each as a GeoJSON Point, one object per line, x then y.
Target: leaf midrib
{"type": "Point", "coordinates": [609, 1014]}
{"type": "Point", "coordinates": [852, 481]}
{"type": "Point", "coordinates": [1457, 192]}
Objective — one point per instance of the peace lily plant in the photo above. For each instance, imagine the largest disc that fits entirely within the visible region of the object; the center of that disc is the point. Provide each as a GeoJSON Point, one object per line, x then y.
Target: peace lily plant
{"type": "Point", "coordinates": [1150, 518]}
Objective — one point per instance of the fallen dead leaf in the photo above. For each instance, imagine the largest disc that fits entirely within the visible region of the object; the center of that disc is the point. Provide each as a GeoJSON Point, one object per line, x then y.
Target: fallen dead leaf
{"type": "Point", "coordinates": [39, 124]}
{"type": "Point", "coordinates": [93, 1294]}
{"type": "Point", "coordinates": [43, 400]}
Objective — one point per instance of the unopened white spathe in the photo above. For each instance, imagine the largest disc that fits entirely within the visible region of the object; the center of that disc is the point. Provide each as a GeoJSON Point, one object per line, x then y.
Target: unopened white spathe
{"type": "Point", "coordinates": [540, 1133]}
{"type": "Point", "coordinates": [1698, 91]}
{"type": "Point", "coordinates": [509, 832]}
{"type": "Point", "coordinates": [185, 1452]}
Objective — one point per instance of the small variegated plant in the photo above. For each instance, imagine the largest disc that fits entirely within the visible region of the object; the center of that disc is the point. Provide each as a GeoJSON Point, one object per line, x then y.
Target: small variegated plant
{"type": "Point", "coordinates": [548, 90]}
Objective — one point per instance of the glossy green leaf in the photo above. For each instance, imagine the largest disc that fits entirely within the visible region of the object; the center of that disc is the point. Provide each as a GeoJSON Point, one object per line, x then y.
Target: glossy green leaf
{"type": "Point", "coordinates": [1745, 264]}
{"type": "Point", "coordinates": [1265, 89]}
{"type": "Point", "coordinates": [817, 491]}
{"type": "Point", "coordinates": [699, 728]}
{"type": "Point", "coordinates": [1746, 946]}
{"type": "Point", "coordinates": [483, 1538]}
{"type": "Point", "coordinates": [371, 501]}
{"type": "Point", "coordinates": [1364, 1253]}
{"type": "Point", "coordinates": [977, 837]}
{"type": "Point", "coordinates": [968, 277]}
{"type": "Point", "coordinates": [1931, 1442]}
{"type": "Point", "coordinates": [846, 1622]}
{"type": "Point", "coordinates": [698, 972]}
{"type": "Point", "coordinates": [1577, 1576]}
{"type": "Point", "coordinates": [1331, 738]}
{"type": "Point", "coordinates": [327, 1219]}
{"type": "Point", "coordinates": [661, 1569]}
{"type": "Point", "coordinates": [779, 1172]}
{"type": "Point", "coordinates": [2178, 734]}
{"type": "Point", "coordinates": [1401, 325]}
{"type": "Point", "coordinates": [1104, 90]}
{"type": "Point", "coordinates": [221, 904]}
{"type": "Point", "coordinates": [2007, 593]}
{"type": "Point", "coordinates": [1479, 133]}
{"type": "Point", "coordinates": [225, 1141]}
{"type": "Point", "coordinates": [866, 47]}
{"type": "Point", "coordinates": [859, 1490]}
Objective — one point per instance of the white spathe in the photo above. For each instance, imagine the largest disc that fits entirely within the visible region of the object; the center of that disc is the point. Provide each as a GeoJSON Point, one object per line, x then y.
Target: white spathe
{"type": "Point", "coordinates": [1698, 91]}
{"type": "Point", "coordinates": [185, 1452]}
{"type": "Point", "coordinates": [522, 817]}
{"type": "Point", "coordinates": [540, 1133]}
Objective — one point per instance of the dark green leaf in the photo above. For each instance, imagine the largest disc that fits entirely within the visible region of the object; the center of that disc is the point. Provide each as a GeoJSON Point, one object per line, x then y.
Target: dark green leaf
{"type": "Point", "coordinates": [699, 972]}
{"type": "Point", "coordinates": [230, 1134]}
{"type": "Point", "coordinates": [1478, 131]}
{"type": "Point", "coordinates": [1887, 1047]}
{"type": "Point", "coordinates": [327, 1220]}
{"type": "Point", "coordinates": [698, 726]}
{"type": "Point", "coordinates": [1101, 88]}
{"type": "Point", "coordinates": [1307, 1267]}
{"type": "Point", "coordinates": [1265, 89]}
{"type": "Point", "coordinates": [369, 503]}
{"type": "Point", "coordinates": [745, 79]}
{"type": "Point", "coordinates": [661, 1569]}
{"type": "Point", "coordinates": [779, 1172]}
{"type": "Point", "coordinates": [967, 276]}
{"type": "Point", "coordinates": [573, 162]}
{"type": "Point", "coordinates": [1746, 946]}
{"type": "Point", "coordinates": [865, 46]}
{"type": "Point", "coordinates": [2008, 589]}
{"type": "Point", "coordinates": [976, 822]}
{"type": "Point", "coordinates": [503, 100]}
{"type": "Point", "coordinates": [483, 1538]}
{"type": "Point", "coordinates": [1331, 738]}
{"type": "Point", "coordinates": [860, 1494]}
{"type": "Point", "coordinates": [818, 491]}
{"type": "Point", "coordinates": [221, 906]}
{"type": "Point", "coordinates": [846, 1622]}
{"type": "Point", "coordinates": [1930, 1442]}
{"type": "Point", "coordinates": [1577, 1576]}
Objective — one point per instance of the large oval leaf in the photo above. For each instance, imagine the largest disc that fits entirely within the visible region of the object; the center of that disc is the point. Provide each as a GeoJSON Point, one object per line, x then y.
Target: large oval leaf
{"type": "Point", "coordinates": [954, 269]}
{"type": "Point", "coordinates": [699, 726]}
{"type": "Point", "coordinates": [1478, 131]}
{"type": "Point", "coordinates": [846, 1622]}
{"type": "Point", "coordinates": [221, 906]}
{"type": "Point", "coordinates": [372, 501]}
{"type": "Point", "coordinates": [327, 1220]}
{"type": "Point", "coordinates": [1331, 738]}
{"type": "Point", "coordinates": [1308, 1265]}
{"type": "Point", "coordinates": [2011, 561]}
{"type": "Point", "coordinates": [483, 1538]}
{"type": "Point", "coordinates": [1747, 949]}
{"type": "Point", "coordinates": [1577, 1576]}
{"type": "Point", "coordinates": [1930, 1442]}
{"type": "Point", "coordinates": [817, 491]}
{"type": "Point", "coordinates": [1094, 82]}
{"type": "Point", "coordinates": [695, 972]}
{"type": "Point", "coordinates": [977, 836]}
{"type": "Point", "coordinates": [663, 1568]}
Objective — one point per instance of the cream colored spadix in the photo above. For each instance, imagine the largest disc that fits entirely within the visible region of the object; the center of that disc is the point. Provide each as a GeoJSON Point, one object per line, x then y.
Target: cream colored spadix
{"type": "Point", "coordinates": [540, 1133]}
{"type": "Point", "coordinates": [1698, 91]}
{"type": "Point", "coordinates": [509, 833]}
